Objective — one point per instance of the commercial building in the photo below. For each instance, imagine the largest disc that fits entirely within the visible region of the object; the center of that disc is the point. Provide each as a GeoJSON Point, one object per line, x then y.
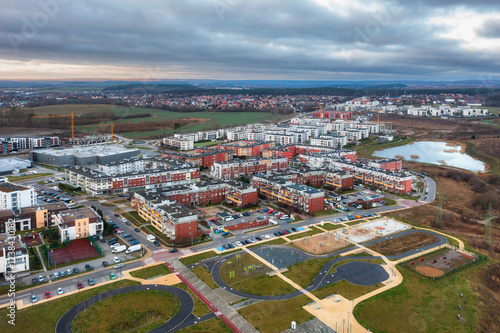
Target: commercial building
{"type": "Point", "coordinates": [83, 156]}
{"type": "Point", "coordinates": [301, 197]}
{"type": "Point", "coordinates": [10, 164]}
{"type": "Point", "coordinates": [14, 256]}
{"type": "Point", "coordinates": [78, 223]}
{"type": "Point", "coordinates": [15, 197]}
{"type": "Point", "coordinates": [237, 168]}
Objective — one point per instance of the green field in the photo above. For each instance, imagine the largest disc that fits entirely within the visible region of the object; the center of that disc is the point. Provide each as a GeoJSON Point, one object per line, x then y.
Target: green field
{"type": "Point", "coordinates": [145, 311]}
{"type": "Point", "coordinates": [152, 271]}
{"type": "Point", "coordinates": [212, 118]}
{"type": "Point", "coordinates": [43, 318]}
{"type": "Point", "coordinates": [420, 304]}
{"type": "Point", "coordinates": [214, 325]}
{"type": "Point", "coordinates": [493, 110]}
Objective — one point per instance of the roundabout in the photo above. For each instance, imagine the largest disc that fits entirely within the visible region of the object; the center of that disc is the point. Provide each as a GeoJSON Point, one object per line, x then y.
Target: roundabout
{"type": "Point", "coordinates": [180, 319]}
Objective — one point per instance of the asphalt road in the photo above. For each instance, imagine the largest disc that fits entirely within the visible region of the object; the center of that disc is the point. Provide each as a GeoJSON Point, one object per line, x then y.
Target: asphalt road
{"type": "Point", "coordinates": [184, 314]}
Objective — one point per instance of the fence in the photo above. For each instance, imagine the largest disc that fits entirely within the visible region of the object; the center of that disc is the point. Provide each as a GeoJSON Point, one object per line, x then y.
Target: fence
{"type": "Point", "coordinates": [94, 244]}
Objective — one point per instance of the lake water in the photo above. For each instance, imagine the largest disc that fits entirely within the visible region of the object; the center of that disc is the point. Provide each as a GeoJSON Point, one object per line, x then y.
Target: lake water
{"type": "Point", "coordinates": [434, 152]}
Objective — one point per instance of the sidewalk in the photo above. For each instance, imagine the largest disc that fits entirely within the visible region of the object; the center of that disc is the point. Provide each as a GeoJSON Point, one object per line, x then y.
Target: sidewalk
{"type": "Point", "coordinates": [214, 299]}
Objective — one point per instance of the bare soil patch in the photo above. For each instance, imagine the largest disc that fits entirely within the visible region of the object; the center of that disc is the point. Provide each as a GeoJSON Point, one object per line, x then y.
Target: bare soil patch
{"type": "Point", "coordinates": [429, 271]}
{"type": "Point", "coordinates": [321, 243]}
{"type": "Point", "coordinates": [404, 243]}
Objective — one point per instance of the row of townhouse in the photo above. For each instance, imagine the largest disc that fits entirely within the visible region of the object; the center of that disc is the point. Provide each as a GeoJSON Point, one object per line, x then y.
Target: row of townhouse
{"type": "Point", "coordinates": [202, 157]}
{"type": "Point", "coordinates": [30, 218]}
{"type": "Point", "coordinates": [8, 144]}
{"type": "Point", "coordinates": [246, 148]}
{"type": "Point", "coordinates": [202, 135]}
{"type": "Point", "coordinates": [237, 168]}
{"type": "Point", "coordinates": [301, 197]}
{"type": "Point", "coordinates": [332, 115]}
{"type": "Point", "coordinates": [324, 177]}
{"type": "Point", "coordinates": [383, 179]}
{"type": "Point", "coordinates": [179, 143]}
{"type": "Point", "coordinates": [96, 182]}
{"type": "Point", "coordinates": [443, 111]}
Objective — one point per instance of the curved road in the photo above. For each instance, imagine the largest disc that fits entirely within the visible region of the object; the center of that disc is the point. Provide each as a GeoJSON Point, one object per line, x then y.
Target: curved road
{"type": "Point", "coordinates": [357, 272]}
{"type": "Point", "coordinates": [184, 314]}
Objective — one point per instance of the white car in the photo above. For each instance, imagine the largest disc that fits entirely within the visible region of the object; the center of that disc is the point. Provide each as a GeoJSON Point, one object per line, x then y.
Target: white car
{"type": "Point", "coordinates": [60, 291]}
{"type": "Point", "coordinates": [284, 217]}
{"type": "Point", "coordinates": [56, 275]}
{"type": "Point", "coordinates": [116, 259]}
{"type": "Point", "coordinates": [34, 299]}
{"type": "Point", "coordinates": [267, 236]}
{"type": "Point", "coordinates": [40, 278]}
{"type": "Point", "coordinates": [238, 243]}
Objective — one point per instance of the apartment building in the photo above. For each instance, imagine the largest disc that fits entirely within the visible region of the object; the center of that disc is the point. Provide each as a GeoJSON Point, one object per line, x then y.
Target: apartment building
{"type": "Point", "coordinates": [201, 157]}
{"type": "Point", "coordinates": [15, 197]}
{"type": "Point", "coordinates": [78, 223]}
{"type": "Point", "coordinates": [391, 164]}
{"type": "Point", "coordinates": [8, 144]}
{"type": "Point", "coordinates": [332, 115]}
{"type": "Point", "coordinates": [30, 218]}
{"type": "Point", "coordinates": [301, 197]}
{"type": "Point", "coordinates": [179, 143]}
{"type": "Point", "coordinates": [331, 141]}
{"type": "Point", "coordinates": [237, 168]}
{"type": "Point", "coordinates": [246, 148]}
{"type": "Point", "coordinates": [14, 256]}
{"type": "Point", "coordinates": [379, 178]}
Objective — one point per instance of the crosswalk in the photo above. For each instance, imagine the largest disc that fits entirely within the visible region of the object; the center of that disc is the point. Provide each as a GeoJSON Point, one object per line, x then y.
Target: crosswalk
{"type": "Point", "coordinates": [160, 251]}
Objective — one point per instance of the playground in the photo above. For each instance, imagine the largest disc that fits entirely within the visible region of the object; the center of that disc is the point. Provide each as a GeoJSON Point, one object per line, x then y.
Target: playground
{"type": "Point", "coordinates": [321, 243]}
{"type": "Point", "coordinates": [440, 262]}
{"type": "Point", "coordinates": [365, 232]}
{"type": "Point", "coordinates": [241, 267]}
{"type": "Point", "coordinates": [76, 250]}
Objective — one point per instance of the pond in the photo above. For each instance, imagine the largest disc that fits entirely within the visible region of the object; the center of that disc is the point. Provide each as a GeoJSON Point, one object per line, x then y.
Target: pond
{"type": "Point", "coordinates": [433, 152]}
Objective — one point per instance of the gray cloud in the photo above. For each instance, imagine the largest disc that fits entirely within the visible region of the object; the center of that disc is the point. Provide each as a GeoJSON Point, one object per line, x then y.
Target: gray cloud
{"type": "Point", "coordinates": [242, 39]}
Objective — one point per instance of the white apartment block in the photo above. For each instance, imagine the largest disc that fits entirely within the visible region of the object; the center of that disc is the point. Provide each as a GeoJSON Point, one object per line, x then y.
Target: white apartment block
{"type": "Point", "coordinates": [179, 143]}
{"type": "Point", "coordinates": [15, 197]}
{"type": "Point", "coordinates": [331, 141]}
{"type": "Point", "coordinates": [15, 260]}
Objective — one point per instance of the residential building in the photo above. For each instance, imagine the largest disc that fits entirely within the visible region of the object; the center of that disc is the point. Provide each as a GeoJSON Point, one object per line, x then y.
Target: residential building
{"type": "Point", "coordinates": [15, 197]}
{"type": "Point", "coordinates": [246, 148]}
{"type": "Point", "coordinates": [179, 143]}
{"type": "Point", "coordinates": [14, 256]}
{"type": "Point", "coordinates": [237, 168]}
{"type": "Point", "coordinates": [31, 218]}
{"type": "Point", "coordinates": [78, 223]}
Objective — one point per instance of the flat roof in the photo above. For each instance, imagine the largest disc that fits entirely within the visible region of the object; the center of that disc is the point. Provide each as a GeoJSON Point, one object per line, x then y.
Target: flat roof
{"type": "Point", "coordinates": [11, 187]}
{"type": "Point", "coordinates": [100, 150]}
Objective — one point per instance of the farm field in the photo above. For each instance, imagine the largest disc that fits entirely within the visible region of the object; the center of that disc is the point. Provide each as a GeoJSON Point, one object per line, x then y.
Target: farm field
{"type": "Point", "coordinates": [201, 119]}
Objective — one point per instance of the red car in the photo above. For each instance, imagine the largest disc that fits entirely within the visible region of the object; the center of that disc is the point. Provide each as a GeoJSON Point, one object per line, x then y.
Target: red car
{"type": "Point", "coordinates": [47, 294]}
{"type": "Point", "coordinates": [79, 285]}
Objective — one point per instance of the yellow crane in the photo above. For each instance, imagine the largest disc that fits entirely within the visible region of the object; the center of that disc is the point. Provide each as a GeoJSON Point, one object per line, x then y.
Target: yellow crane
{"type": "Point", "coordinates": [112, 126]}
{"type": "Point", "coordinates": [71, 116]}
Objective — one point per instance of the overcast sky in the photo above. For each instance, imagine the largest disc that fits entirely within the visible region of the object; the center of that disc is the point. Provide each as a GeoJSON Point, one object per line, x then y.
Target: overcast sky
{"type": "Point", "coordinates": [250, 39]}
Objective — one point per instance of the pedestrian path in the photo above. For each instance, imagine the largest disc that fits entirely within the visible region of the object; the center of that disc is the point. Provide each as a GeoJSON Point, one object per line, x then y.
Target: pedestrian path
{"type": "Point", "coordinates": [215, 302]}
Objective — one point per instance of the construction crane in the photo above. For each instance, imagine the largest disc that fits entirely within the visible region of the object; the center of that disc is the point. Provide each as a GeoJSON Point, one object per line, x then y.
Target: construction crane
{"type": "Point", "coordinates": [71, 116]}
{"type": "Point", "coordinates": [112, 126]}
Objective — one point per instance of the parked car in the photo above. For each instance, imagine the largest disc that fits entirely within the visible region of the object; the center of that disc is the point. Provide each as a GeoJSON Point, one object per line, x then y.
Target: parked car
{"type": "Point", "coordinates": [34, 299]}
{"type": "Point", "coordinates": [56, 275]}
{"type": "Point", "coordinates": [134, 242]}
{"type": "Point", "coordinates": [258, 238]}
{"type": "Point", "coordinates": [247, 214]}
{"type": "Point", "coordinates": [116, 260]}
{"type": "Point", "coordinates": [47, 294]}
{"type": "Point", "coordinates": [137, 230]}
{"type": "Point", "coordinates": [88, 267]}
{"type": "Point", "coordinates": [91, 282]}
{"type": "Point", "coordinates": [126, 235]}
{"type": "Point", "coordinates": [104, 264]}
{"type": "Point", "coordinates": [40, 278]}
{"type": "Point", "coordinates": [127, 223]}
{"type": "Point", "coordinates": [156, 243]}
{"type": "Point", "coordinates": [238, 243]}
{"type": "Point", "coordinates": [120, 265]}
{"type": "Point", "coordinates": [173, 251]}
{"type": "Point", "coordinates": [76, 270]}
{"type": "Point", "coordinates": [60, 291]}
{"type": "Point", "coordinates": [62, 273]}
{"type": "Point", "coordinates": [79, 285]}
{"type": "Point", "coordinates": [231, 245]}
{"type": "Point", "coordinates": [112, 276]}
{"type": "Point", "coordinates": [117, 215]}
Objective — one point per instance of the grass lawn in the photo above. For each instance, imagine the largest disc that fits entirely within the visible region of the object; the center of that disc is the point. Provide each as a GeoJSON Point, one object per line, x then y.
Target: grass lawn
{"type": "Point", "coordinates": [263, 285]}
{"type": "Point", "coordinates": [205, 275]}
{"type": "Point", "coordinates": [347, 289]}
{"type": "Point", "coordinates": [133, 217]}
{"type": "Point", "coordinates": [27, 177]}
{"type": "Point", "coordinates": [152, 271]}
{"type": "Point", "coordinates": [198, 257]}
{"type": "Point", "coordinates": [331, 226]}
{"type": "Point", "coordinates": [369, 149]}
{"type": "Point", "coordinates": [308, 233]}
{"type": "Point", "coordinates": [303, 273]}
{"type": "Point", "coordinates": [276, 316]}
{"type": "Point", "coordinates": [214, 325]}
{"type": "Point", "coordinates": [105, 204]}
{"type": "Point", "coordinates": [354, 222]}
{"type": "Point", "coordinates": [43, 318]}
{"type": "Point", "coordinates": [326, 212]}
{"type": "Point", "coordinates": [121, 201]}
{"type": "Point", "coordinates": [420, 304]}
{"type": "Point", "coordinates": [493, 110]}
{"type": "Point", "coordinates": [390, 202]}
{"type": "Point", "coordinates": [144, 311]}
{"type": "Point", "coordinates": [205, 144]}
{"type": "Point", "coordinates": [200, 308]}
{"type": "Point", "coordinates": [278, 241]}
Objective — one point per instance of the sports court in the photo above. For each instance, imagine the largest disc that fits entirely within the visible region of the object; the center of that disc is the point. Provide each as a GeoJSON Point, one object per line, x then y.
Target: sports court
{"type": "Point", "coordinates": [78, 249]}
{"type": "Point", "coordinates": [367, 231]}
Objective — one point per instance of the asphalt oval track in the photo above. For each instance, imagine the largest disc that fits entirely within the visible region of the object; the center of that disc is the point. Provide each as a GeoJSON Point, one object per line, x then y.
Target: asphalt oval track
{"type": "Point", "coordinates": [187, 305]}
